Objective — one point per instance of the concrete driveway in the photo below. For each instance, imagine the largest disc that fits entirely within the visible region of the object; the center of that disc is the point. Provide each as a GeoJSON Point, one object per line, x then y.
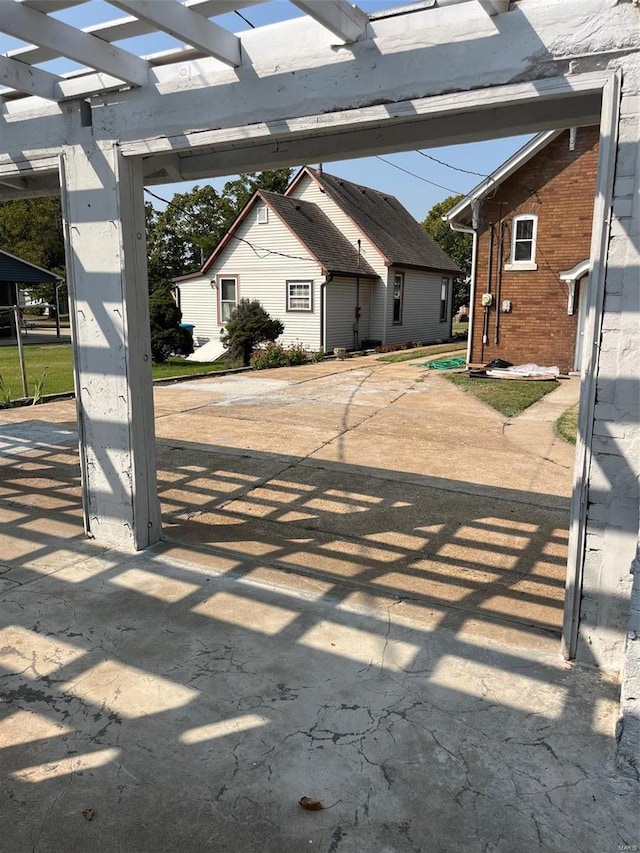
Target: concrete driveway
{"type": "Point", "coordinates": [347, 609]}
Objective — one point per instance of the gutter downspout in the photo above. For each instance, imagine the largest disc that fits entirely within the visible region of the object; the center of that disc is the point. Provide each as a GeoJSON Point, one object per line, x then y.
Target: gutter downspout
{"type": "Point", "coordinates": [323, 312]}
{"type": "Point", "coordinates": [473, 230]}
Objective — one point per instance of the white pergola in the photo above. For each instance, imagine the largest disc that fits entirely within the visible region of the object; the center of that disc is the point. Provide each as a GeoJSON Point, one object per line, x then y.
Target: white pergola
{"type": "Point", "coordinates": [332, 84]}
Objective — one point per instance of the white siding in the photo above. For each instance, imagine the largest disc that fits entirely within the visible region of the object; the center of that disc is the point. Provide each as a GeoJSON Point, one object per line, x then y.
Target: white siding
{"type": "Point", "coordinates": [261, 276]}
{"type": "Point", "coordinates": [341, 304]}
{"type": "Point", "coordinates": [198, 303]}
{"type": "Point", "coordinates": [420, 310]}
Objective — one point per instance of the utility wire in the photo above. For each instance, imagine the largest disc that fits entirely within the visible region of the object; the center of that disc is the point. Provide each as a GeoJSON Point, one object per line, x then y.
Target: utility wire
{"type": "Point", "coordinates": [253, 246]}
{"type": "Point", "coordinates": [419, 177]}
{"type": "Point", "coordinates": [246, 20]}
{"type": "Point", "coordinates": [449, 166]}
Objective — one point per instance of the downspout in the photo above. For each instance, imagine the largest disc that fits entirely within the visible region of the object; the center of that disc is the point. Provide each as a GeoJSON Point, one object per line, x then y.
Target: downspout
{"type": "Point", "coordinates": [496, 337]}
{"type": "Point", "coordinates": [464, 229]}
{"type": "Point", "coordinates": [323, 310]}
{"type": "Point", "coordinates": [485, 327]}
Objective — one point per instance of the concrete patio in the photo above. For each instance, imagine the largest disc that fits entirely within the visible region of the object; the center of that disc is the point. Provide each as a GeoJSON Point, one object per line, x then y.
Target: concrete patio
{"type": "Point", "coordinates": [359, 601]}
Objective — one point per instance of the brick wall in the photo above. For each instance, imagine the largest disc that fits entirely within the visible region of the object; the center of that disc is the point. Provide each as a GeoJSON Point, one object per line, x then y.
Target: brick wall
{"type": "Point", "coordinates": [558, 186]}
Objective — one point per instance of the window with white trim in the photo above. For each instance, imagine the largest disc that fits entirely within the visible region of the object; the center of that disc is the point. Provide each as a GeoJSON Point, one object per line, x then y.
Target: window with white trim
{"type": "Point", "coordinates": [523, 239]}
{"type": "Point", "coordinates": [299, 296]}
{"type": "Point", "coordinates": [398, 298]}
{"type": "Point", "coordinates": [262, 215]}
{"type": "Point", "coordinates": [444, 299]}
{"type": "Point", "coordinates": [228, 288]}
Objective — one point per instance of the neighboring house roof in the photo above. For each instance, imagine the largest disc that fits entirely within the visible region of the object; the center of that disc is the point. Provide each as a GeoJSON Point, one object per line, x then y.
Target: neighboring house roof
{"type": "Point", "coordinates": [314, 228]}
{"type": "Point", "coordinates": [311, 226]}
{"type": "Point", "coordinates": [389, 226]}
{"type": "Point", "coordinates": [13, 269]}
{"type": "Point", "coordinates": [462, 212]}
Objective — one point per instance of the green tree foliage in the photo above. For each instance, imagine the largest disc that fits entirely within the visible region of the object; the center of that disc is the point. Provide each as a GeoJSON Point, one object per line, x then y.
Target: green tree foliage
{"type": "Point", "coordinates": [183, 235]}
{"type": "Point", "coordinates": [166, 334]}
{"type": "Point", "coordinates": [455, 244]}
{"type": "Point", "coordinates": [31, 229]}
{"type": "Point", "coordinates": [248, 326]}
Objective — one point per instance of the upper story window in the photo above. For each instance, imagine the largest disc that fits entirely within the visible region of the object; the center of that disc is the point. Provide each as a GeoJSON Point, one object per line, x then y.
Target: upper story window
{"type": "Point", "coordinates": [398, 297]}
{"type": "Point", "coordinates": [523, 241]}
{"type": "Point", "coordinates": [228, 296]}
{"type": "Point", "coordinates": [262, 214]}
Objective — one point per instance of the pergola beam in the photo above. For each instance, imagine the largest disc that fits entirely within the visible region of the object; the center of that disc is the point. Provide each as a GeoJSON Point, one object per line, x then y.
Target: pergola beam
{"type": "Point", "coordinates": [34, 27]}
{"type": "Point", "coordinates": [347, 22]}
{"type": "Point", "coordinates": [186, 25]}
{"type": "Point", "coordinates": [25, 78]}
{"type": "Point", "coordinates": [494, 7]}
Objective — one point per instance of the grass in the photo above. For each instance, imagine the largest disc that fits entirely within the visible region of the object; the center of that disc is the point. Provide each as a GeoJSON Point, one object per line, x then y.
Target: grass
{"type": "Point", "coordinates": [567, 424]}
{"type": "Point", "coordinates": [419, 352]}
{"type": "Point", "coordinates": [460, 329]}
{"type": "Point", "coordinates": [509, 397]}
{"type": "Point", "coordinates": [53, 361]}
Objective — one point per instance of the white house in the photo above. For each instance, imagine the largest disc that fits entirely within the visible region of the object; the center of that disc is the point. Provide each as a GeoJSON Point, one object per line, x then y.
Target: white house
{"type": "Point", "coordinates": [339, 264]}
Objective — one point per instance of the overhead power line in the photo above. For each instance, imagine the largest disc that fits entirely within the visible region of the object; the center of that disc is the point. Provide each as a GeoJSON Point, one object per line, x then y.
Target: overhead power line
{"type": "Point", "coordinates": [449, 166]}
{"type": "Point", "coordinates": [419, 177]}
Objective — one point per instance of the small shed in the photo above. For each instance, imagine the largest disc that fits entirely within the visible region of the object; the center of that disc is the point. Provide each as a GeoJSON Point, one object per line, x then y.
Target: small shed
{"type": "Point", "coordinates": [15, 275]}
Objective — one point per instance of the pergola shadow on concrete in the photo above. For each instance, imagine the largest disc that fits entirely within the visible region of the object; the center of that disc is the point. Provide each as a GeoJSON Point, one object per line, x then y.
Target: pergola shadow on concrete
{"type": "Point", "coordinates": [383, 641]}
{"type": "Point", "coordinates": [333, 84]}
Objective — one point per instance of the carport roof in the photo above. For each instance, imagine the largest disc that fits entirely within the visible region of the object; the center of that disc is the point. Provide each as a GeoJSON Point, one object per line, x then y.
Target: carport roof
{"type": "Point", "coordinates": [14, 269]}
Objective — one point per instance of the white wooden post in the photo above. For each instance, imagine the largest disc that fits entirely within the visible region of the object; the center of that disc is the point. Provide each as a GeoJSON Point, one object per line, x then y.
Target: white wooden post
{"type": "Point", "coordinates": [103, 206]}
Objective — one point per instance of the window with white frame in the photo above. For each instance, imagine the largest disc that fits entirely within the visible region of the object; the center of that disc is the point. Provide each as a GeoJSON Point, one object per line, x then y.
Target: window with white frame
{"type": "Point", "coordinates": [444, 299]}
{"type": "Point", "coordinates": [228, 290]}
{"type": "Point", "coordinates": [398, 297]}
{"type": "Point", "coordinates": [523, 239]}
{"type": "Point", "coordinates": [262, 215]}
{"type": "Point", "coordinates": [299, 296]}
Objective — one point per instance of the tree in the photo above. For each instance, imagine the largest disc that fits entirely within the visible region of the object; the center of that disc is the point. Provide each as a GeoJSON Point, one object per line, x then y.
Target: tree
{"type": "Point", "coordinates": [183, 235]}
{"type": "Point", "coordinates": [248, 326]}
{"type": "Point", "coordinates": [31, 229]}
{"type": "Point", "coordinates": [166, 334]}
{"type": "Point", "coordinates": [456, 244]}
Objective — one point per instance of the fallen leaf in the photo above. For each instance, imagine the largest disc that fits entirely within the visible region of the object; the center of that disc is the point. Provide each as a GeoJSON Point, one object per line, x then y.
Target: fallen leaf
{"type": "Point", "coordinates": [310, 804]}
{"type": "Point", "coordinates": [89, 814]}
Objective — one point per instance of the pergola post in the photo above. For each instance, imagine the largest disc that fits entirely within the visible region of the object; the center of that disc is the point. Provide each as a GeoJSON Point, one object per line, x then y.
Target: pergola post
{"type": "Point", "coordinates": [103, 208]}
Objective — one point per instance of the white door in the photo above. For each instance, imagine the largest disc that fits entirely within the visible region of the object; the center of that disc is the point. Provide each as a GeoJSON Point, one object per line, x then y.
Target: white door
{"type": "Point", "coordinates": [583, 291]}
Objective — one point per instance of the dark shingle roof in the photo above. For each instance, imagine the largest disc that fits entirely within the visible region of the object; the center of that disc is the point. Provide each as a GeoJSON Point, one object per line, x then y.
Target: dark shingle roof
{"type": "Point", "coordinates": [387, 223]}
{"type": "Point", "coordinates": [22, 272]}
{"type": "Point", "coordinates": [314, 228]}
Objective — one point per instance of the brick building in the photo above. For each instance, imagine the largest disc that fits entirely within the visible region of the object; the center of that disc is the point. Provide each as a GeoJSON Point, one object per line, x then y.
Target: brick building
{"type": "Point", "coordinates": [533, 219]}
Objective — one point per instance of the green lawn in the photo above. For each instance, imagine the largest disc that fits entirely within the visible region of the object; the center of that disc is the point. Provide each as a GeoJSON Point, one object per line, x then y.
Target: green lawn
{"type": "Point", "coordinates": [419, 352]}
{"type": "Point", "coordinates": [507, 396]}
{"type": "Point", "coordinates": [53, 362]}
{"type": "Point", "coordinates": [567, 424]}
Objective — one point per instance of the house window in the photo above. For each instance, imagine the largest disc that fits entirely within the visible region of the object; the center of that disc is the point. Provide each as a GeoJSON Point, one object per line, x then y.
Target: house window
{"type": "Point", "coordinates": [398, 297]}
{"type": "Point", "coordinates": [523, 239]}
{"type": "Point", "coordinates": [228, 290]}
{"type": "Point", "coordinates": [444, 299]}
{"type": "Point", "coordinates": [299, 296]}
{"type": "Point", "coordinates": [262, 215]}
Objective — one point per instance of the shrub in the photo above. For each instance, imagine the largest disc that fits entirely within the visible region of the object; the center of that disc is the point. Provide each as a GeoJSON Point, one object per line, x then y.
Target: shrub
{"type": "Point", "coordinates": [318, 356]}
{"type": "Point", "coordinates": [166, 334]}
{"type": "Point", "coordinates": [296, 354]}
{"type": "Point", "coordinates": [464, 318]}
{"type": "Point", "coordinates": [271, 355]}
{"type": "Point", "coordinates": [248, 326]}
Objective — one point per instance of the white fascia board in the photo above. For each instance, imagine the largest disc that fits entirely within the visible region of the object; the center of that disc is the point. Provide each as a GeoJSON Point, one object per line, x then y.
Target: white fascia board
{"type": "Point", "coordinates": [461, 213]}
{"type": "Point", "coordinates": [35, 27]}
{"type": "Point", "coordinates": [347, 22]}
{"type": "Point", "coordinates": [186, 25]}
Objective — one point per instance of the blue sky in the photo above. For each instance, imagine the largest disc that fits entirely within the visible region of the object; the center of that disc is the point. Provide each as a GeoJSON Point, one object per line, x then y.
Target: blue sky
{"type": "Point", "coordinates": [414, 191]}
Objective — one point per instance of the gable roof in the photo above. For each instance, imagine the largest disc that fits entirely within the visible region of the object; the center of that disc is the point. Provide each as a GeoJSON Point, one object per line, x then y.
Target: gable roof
{"type": "Point", "coordinates": [14, 269]}
{"type": "Point", "coordinates": [462, 212]}
{"type": "Point", "coordinates": [311, 226]}
{"type": "Point", "coordinates": [389, 226]}
{"type": "Point", "coordinates": [314, 228]}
